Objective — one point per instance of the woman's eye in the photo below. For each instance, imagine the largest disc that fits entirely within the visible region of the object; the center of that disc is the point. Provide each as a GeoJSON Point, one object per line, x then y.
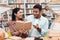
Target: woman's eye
{"type": "Point", "coordinates": [21, 12]}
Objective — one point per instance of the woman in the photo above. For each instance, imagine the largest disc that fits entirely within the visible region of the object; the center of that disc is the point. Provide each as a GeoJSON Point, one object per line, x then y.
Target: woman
{"type": "Point", "coordinates": [16, 16]}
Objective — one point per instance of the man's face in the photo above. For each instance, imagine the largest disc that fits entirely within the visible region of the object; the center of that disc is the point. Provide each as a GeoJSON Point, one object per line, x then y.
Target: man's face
{"type": "Point", "coordinates": [36, 12]}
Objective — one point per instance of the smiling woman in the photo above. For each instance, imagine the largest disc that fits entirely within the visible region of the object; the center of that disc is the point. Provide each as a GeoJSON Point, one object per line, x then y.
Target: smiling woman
{"type": "Point", "coordinates": [17, 15]}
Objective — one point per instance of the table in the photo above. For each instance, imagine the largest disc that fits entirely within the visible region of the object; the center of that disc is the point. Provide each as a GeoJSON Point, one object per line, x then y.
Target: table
{"type": "Point", "coordinates": [44, 38]}
{"type": "Point", "coordinates": [52, 35]}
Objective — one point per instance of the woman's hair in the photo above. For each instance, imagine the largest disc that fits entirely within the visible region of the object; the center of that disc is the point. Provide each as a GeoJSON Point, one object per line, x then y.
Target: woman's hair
{"type": "Point", "coordinates": [14, 11]}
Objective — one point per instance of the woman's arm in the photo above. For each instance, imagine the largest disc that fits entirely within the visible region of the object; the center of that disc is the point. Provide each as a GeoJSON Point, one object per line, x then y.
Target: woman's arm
{"type": "Point", "coordinates": [12, 28]}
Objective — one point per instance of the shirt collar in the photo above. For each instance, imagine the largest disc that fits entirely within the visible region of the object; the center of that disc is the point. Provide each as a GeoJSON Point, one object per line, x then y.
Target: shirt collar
{"type": "Point", "coordinates": [39, 18]}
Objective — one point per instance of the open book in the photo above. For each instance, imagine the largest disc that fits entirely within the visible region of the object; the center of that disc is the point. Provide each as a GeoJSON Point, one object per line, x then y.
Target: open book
{"type": "Point", "coordinates": [20, 25]}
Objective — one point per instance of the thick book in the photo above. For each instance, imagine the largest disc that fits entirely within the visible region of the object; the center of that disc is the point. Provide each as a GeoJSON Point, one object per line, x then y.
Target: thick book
{"type": "Point", "coordinates": [26, 25]}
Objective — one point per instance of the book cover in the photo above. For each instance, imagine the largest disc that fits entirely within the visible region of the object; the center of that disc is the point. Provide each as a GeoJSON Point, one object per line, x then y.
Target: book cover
{"type": "Point", "coordinates": [23, 25]}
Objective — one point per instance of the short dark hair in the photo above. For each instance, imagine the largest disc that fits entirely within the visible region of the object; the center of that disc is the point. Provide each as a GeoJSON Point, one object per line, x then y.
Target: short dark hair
{"type": "Point", "coordinates": [38, 6]}
{"type": "Point", "coordinates": [14, 11]}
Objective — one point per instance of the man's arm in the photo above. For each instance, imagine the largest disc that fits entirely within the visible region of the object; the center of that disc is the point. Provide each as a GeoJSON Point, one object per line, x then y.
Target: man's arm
{"type": "Point", "coordinates": [44, 29]}
{"type": "Point", "coordinates": [36, 26]}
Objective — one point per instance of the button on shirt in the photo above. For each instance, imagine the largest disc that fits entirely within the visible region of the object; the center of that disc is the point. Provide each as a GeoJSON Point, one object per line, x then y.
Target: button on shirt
{"type": "Point", "coordinates": [42, 23]}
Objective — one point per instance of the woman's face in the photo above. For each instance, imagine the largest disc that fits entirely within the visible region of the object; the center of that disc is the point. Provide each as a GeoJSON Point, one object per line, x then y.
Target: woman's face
{"type": "Point", "coordinates": [19, 14]}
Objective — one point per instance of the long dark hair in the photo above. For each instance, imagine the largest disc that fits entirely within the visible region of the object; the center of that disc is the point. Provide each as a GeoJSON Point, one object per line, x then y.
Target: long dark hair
{"type": "Point", "coordinates": [14, 11]}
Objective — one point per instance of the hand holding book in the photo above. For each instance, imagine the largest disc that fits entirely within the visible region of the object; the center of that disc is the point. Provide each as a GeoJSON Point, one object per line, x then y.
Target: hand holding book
{"type": "Point", "coordinates": [23, 31]}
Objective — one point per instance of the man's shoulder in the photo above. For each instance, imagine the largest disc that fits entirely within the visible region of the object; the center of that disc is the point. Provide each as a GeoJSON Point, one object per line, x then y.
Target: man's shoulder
{"type": "Point", "coordinates": [44, 18]}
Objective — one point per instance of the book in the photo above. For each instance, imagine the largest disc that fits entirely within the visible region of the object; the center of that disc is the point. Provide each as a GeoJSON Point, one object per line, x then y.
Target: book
{"type": "Point", "coordinates": [20, 25]}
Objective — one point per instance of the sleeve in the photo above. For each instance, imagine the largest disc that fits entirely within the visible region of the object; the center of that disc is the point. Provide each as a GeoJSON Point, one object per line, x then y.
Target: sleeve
{"type": "Point", "coordinates": [45, 28]}
{"type": "Point", "coordinates": [13, 30]}
{"type": "Point", "coordinates": [11, 27]}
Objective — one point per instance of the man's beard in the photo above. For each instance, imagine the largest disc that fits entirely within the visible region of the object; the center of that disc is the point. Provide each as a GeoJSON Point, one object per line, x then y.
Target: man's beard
{"type": "Point", "coordinates": [37, 16]}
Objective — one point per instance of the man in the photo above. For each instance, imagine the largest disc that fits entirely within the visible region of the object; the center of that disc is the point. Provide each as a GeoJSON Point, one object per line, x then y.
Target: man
{"type": "Point", "coordinates": [39, 23]}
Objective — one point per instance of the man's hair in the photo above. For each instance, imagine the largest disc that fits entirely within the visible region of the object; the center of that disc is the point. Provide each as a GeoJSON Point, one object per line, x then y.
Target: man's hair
{"type": "Point", "coordinates": [38, 6]}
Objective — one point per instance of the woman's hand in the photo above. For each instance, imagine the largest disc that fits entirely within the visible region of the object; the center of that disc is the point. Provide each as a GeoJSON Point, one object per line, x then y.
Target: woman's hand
{"type": "Point", "coordinates": [23, 31]}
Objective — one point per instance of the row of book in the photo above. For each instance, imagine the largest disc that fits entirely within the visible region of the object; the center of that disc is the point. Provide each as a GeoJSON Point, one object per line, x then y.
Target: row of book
{"type": "Point", "coordinates": [28, 1]}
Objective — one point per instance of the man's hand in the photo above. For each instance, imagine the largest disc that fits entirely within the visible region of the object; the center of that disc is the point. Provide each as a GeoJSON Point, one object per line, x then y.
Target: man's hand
{"type": "Point", "coordinates": [36, 26]}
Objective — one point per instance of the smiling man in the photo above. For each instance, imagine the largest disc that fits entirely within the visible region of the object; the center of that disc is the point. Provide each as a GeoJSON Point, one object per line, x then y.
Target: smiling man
{"type": "Point", "coordinates": [39, 23]}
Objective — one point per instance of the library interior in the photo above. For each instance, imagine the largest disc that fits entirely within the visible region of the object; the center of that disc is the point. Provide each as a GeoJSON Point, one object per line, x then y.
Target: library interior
{"type": "Point", "coordinates": [29, 20]}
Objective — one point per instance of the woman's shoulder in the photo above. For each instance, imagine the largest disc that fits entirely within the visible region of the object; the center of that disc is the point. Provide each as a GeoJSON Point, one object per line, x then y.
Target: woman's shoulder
{"type": "Point", "coordinates": [10, 21]}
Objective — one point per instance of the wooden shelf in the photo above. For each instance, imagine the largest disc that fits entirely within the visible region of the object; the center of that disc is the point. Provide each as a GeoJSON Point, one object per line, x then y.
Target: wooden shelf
{"type": "Point", "coordinates": [4, 9]}
{"type": "Point", "coordinates": [15, 3]}
{"type": "Point", "coordinates": [20, 3]}
{"type": "Point", "coordinates": [27, 8]}
{"type": "Point", "coordinates": [3, 4]}
{"type": "Point", "coordinates": [4, 20]}
{"type": "Point", "coordinates": [32, 3]}
{"type": "Point", "coordinates": [54, 3]}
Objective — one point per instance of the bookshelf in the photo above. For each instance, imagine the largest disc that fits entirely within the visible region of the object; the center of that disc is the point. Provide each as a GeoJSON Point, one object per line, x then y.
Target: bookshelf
{"type": "Point", "coordinates": [3, 1]}
{"type": "Point", "coordinates": [5, 13]}
{"type": "Point", "coordinates": [55, 0]}
{"type": "Point", "coordinates": [26, 6]}
{"type": "Point", "coordinates": [55, 5]}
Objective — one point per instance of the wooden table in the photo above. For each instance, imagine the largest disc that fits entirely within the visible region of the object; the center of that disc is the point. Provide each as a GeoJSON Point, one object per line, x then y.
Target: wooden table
{"type": "Point", "coordinates": [45, 38]}
{"type": "Point", "coordinates": [52, 35]}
